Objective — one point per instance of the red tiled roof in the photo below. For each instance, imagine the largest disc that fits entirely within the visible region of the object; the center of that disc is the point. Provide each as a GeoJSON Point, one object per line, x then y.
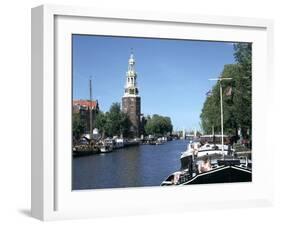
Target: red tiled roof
{"type": "Point", "coordinates": [86, 103]}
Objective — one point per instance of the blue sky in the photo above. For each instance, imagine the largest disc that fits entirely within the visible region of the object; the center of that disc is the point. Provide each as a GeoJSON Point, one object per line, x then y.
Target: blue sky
{"type": "Point", "coordinates": [172, 74]}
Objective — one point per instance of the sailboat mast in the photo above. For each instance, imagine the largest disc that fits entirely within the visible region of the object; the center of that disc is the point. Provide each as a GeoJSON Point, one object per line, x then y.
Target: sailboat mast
{"type": "Point", "coordinates": [90, 110]}
{"type": "Point", "coordinates": [220, 79]}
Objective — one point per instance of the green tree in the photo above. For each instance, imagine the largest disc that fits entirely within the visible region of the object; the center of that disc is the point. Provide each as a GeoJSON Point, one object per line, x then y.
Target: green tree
{"type": "Point", "coordinates": [243, 56]}
{"type": "Point", "coordinates": [236, 96]}
{"type": "Point", "coordinates": [114, 122]}
{"type": "Point", "coordinates": [78, 127]}
{"type": "Point", "coordinates": [114, 119]}
{"type": "Point", "coordinates": [101, 123]}
{"type": "Point", "coordinates": [243, 97]}
{"type": "Point", "coordinates": [125, 125]}
{"type": "Point", "coordinates": [158, 125]}
{"type": "Point", "coordinates": [211, 112]}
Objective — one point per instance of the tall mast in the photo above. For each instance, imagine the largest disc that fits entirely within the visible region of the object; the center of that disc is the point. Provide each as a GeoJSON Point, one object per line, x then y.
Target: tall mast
{"type": "Point", "coordinates": [90, 110]}
{"type": "Point", "coordinates": [220, 79]}
{"type": "Point", "coordinates": [222, 140]}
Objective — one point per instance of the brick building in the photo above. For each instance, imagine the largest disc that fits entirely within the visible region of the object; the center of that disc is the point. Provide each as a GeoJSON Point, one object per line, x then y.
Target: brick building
{"type": "Point", "coordinates": [83, 108]}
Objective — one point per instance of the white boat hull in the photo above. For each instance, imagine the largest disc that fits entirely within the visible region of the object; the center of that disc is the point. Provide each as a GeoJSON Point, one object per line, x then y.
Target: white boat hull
{"type": "Point", "coordinates": [105, 149]}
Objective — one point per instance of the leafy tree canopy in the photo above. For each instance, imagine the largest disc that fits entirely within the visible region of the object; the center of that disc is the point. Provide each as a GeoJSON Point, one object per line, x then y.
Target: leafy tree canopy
{"type": "Point", "coordinates": [237, 96]}
{"type": "Point", "coordinates": [158, 125]}
{"type": "Point", "coordinates": [114, 122]}
{"type": "Point", "coordinates": [78, 126]}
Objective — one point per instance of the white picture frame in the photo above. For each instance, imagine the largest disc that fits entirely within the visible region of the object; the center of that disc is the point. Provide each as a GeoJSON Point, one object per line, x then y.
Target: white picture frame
{"type": "Point", "coordinates": [52, 197]}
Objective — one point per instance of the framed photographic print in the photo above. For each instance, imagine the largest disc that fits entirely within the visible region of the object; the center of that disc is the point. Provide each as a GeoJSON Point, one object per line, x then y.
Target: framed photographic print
{"type": "Point", "coordinates": [137, 112]}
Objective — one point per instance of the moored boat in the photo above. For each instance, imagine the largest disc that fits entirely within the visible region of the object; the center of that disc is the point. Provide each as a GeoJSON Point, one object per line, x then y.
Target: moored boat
{"type": "Point", "coordinates": [85, 147]}
{"type": "Point", "coordinates": [210, 163]}
{"type": "Point", "coordinates": [119, 143]}
{"type": "Point", "coordinates": [205, 145]}
{"type": "Point", "coordinates": [105, 148]}
{"type": "Point", "coordinates": [222, 170]}
{"type": "Point", "coordinates": [107, 145]}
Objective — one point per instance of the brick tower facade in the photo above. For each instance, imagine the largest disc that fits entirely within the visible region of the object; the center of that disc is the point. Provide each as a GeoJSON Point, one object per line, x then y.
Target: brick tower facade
{"type": "Point", "coordinates": [131, 101]}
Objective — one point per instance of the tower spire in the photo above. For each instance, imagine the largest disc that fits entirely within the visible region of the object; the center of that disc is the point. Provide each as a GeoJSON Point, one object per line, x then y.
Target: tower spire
{"type": "Point", "coordinates": [131, 101]}
{"type": "Point", "coordinates": [131, 77]}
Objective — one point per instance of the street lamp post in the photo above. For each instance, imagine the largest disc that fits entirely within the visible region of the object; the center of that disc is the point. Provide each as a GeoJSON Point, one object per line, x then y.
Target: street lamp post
{"type": "Point", "coordinates": [220, 79]}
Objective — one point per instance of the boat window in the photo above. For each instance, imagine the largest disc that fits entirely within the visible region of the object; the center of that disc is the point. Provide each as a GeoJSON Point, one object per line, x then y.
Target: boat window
{"type": "Point", "coordinates": [170, 178]}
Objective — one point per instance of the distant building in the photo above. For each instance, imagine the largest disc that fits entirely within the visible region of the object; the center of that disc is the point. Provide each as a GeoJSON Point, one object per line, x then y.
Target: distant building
{"type": "Point", "coordinates": [83, 108]}
{"type": "Point", "coordinates": [131, 101]}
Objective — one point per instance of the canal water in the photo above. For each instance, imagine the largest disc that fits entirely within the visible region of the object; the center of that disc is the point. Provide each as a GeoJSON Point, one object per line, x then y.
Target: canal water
{"type": "Point", "coordinates": [138, 166]}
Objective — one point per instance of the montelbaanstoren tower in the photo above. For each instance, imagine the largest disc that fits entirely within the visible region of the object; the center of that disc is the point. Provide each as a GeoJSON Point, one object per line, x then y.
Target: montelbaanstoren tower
{"type": "Point", "coordinates": [131, 101]}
